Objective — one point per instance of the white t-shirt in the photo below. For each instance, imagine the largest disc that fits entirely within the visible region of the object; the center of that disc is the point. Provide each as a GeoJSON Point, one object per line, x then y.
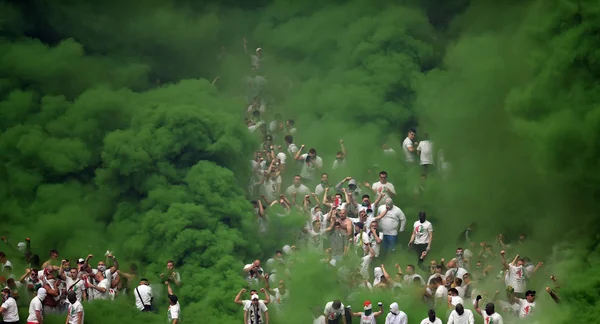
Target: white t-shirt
{"type": "Point", "coordinates": [11, 313]}
{"type": "Point", "coordinates": [516, 278]}
{"type": "Point", "coordinates": [525, 308]}
{"type": "Point", "coordinates": [338, 164]}
{"type": "Point", "coordinates": [389, 152]}
{"type": "Point", "coordinates": [461, 290]}
{"type": "Point", "coordinates": [74, 310]}
{"type": "Point", "coordinates": [280, 299]}
{"type": "Point", "coordinates": [401, 318]}
{"type": "Point", "coordinates": [441, 292]}
{"type": "Point", "coordinates": [333, 313]}
{"type": "Point", "coordinates": [455, 300]}
{"type": "Point", "coordinates": [443, 276]}
{"type": "Point", "coordinates": [422, 232]}
{"type": "Point", "coordinates": [426, 149]}
{"type": "Point", "coordinates": [309, 169]}
{"type": "Point", "coordinates": [319, 190]}
{"type": "Point", "coordinates": [300, 191]}
{"type": "Point", "coordinates": [408, 155]}
{"type": "Point", "coordinates": [493, 319]}
{"type": "Point", "coordinates": [35, 305]}
{"type": "Point", "coordinates": [270, 187]}
{"type": "Point", "coordinates": [146, 293]}
{"type": "Point", "coordinates": [254, 313]}
{"type": "Point", "coordinates": [364, 266]}
{"type": "Point", "coordinates": [364, 319]}
{"type": "Point", "coordinates": [427, 321]}
{"type": "Point", "coordinates": [374, 245]}
{"type": "Point", "coordinates": [393, 221]}
{"type": "Point", "coordinates": [409, 279]}
{"type": "Point", "coordinates": [292, 150]}
{"type": "Point", "coordinates": [466, 318]}
{"type": "Point", "coordinates": [173, 312]}
{"type": "Point", "coordinates": [320, 320]}
{"type": "Point", "coordinates": [456, 273]}
{"type": "Point", "coordinates": [102, 295]}
{"type": "Point", "coordinates": [77, 285]}
{"type": "Point", "coordinates": [379, 188]}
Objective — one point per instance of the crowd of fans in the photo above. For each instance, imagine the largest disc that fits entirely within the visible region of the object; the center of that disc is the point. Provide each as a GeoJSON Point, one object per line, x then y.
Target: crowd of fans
{"type": "Point", "coordinates": [61, 287]}
{"type": "Point", "coordinates": [358, 225]}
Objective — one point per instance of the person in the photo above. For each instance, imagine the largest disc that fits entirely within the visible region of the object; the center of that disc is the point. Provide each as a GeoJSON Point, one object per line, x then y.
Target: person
{"type": "Point", "coordinates": [334, 310]}
{"type": "Point", "coordinates": [489, 314]}
{"type": "Point", "coordinates": [527, 305]}
{"type": "Point", "coordinates": [172, 274]}
{"type": "Point", "coordinates": [9, 310]}
{"type": "Point", "coordinates": [396, 316]}
{"type": "Point", "coordinates": [422, 235]}
{"type": "Point", "coordinates": [36, 308]}
{"type": "Point", "coordinates": [409, 147]}
{"type": "Point", "coordinates": [391, 222]}
{"type": "Point", "coordinates": [431, 318]}
{"type": "Point", "coordinates": [460, 315]}
{"type": "Point", "coordinates": [368, 317]}
{"type": "Point", "coordinates": [173, 313]}
{"type": "Point", "coordinates": [246, 303]}
{"type": "Point", "coordinates": [425, 152]}
{"type": "Point", "coordinates": [143, 296]}
{"type": "Point", "coordinates": [75, 311]}
{"type": "Point", "coordinates": [256, 312]}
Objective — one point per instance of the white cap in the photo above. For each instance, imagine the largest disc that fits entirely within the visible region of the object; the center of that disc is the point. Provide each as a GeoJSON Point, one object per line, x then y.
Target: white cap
{"type": "Point", "coordinates": [281, 156]}
{"type": "Point", "coordinates": [258, 49]}
{"type": "Point", "coordinates": [254, 297]}
{"type": "Point", "coordinates": [22, 246]}
{"type": "Point", "coordinates": [287, 249]}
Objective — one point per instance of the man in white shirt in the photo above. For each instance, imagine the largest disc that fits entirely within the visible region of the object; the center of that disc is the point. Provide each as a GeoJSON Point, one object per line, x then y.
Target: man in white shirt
{"type": "Point", "coordinates": [517, 275]}
{"type": "Point", "coordinates": [143, 296]}
{"type": "Point", "coordinates": [334, 310]}
{"type": "Point", "coordinates": [460, 315]}
{"type": "Point", "coordinates": [256, 312]}
{"type": "Point", "coordinates": [36, 309]}
{"type": "Point", "coordinates": [9, 310]}
{"type": "Point", "coordinates": [408, 146]}
{"type": "Point", "coordinates": [391, 222]}
{"type": "Point", "coordinates": [75, 284]}
{"type": "Point", "coordinates": [425, 151]}
{"type": "Point", "coordinates": [311, 164]}
{"type": "Point", "coordinates": [383, 186]}
{"type": "Point", "coordinates": [422, 235]}
{"type": "Point", "coordinates": [75, 311]}
{"type": "Point", "coordinates": [320, 188]}
{"type": "Point", "coordinates": [174, 311]}
{"type": "Point", "coordinates": [489, 314]}
{"type": "Point", "coordinates": [527, 305]}
{"type": "Point", "coordinates": [396, 316]}
{"type": "Point", "coordinates": [454, 271]}
{"type": "Point", "coordinates": [297, 189]}
{"type": "Point", "coordinates": [4, 262]}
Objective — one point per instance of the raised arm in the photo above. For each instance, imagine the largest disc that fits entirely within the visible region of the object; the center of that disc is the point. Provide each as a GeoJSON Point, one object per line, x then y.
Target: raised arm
{"type": "Point", "coordinates": [343, 148]}
{"type": "Point", "coordinates": [317, 202]}
{"type": "Point", "coordinates": [503, 259]}
{"type": "Point", "coordinates": [380, 216]}
{"type": "Point", "coordinates": [238, 299]}
{"type": "Point", "coordinates": [299, 153]}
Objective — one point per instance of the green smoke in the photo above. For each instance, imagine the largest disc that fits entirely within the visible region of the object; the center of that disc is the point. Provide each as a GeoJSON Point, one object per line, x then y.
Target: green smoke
{"type": "Point", "coordinates": [112, 136]}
